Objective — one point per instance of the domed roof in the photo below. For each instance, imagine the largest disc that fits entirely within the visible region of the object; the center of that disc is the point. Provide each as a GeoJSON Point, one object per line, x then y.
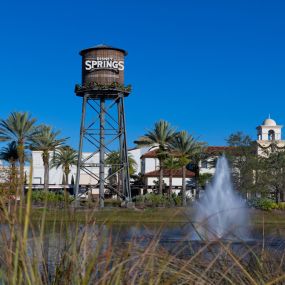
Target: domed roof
{"type": "Point", "coordinates": [269, 122]}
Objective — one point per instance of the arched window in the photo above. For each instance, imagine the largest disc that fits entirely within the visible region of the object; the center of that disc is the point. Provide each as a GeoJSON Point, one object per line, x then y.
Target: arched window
{"type": "Point", "coordinates": [271, 135]}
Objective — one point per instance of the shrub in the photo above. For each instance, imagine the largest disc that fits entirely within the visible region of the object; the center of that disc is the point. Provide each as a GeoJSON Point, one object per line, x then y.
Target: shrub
{"type": "Point", "coordinates": [177, 199]}
{"type": "Point", "coordinates": [50, 197]}
{"type": "Point", "coordinates": [112, 203]}
{"type": "Point", "coordinates": [281, 206]}
{"type": "Point", "coordinates": [263, 204]}
{"type": "Point", "coordinates": [154, 200]}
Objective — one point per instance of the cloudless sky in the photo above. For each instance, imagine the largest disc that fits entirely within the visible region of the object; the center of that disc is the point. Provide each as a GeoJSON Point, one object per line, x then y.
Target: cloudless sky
{"type": "Point", "coordinates": [210, 67]}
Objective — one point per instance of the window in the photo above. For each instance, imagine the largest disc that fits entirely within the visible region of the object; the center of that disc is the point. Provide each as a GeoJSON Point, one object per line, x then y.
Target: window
{"type": "Point", "coordinates": [204, 164]}
{"type": "Point", "coordinates": [37, 180]}
{"type": "Point", "coordinates": [271, 135]}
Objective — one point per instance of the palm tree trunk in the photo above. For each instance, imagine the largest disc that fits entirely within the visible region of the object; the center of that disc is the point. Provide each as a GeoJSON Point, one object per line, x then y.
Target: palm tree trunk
{"type": "Point", "coordinates": [282, 195]}
{"type": "Point", "coordinates": [21, 154]}
{"type": "Point", "coordinates": [184, 186]}
{"type": "Point", "coordinates": [170, 183]}
{"type": "Point", "coordinates": [277, 196]}
{"type": "Point", "coordinates": [197, 184]}
{"type": "Point", "coordinates": [13, 174]}
{"type": "Point", "coordinates": [13, 182]}
{"type": "Point", "coordinates": [66, 172]}
{"type": "Point", "coordinates": [119, 184]}
{"type": "Point", "coordinates": [160, 177]}
{"type": "Point", "coordinates": [66, 178]}
{"type": "Point", "coordinates": [46, 170]}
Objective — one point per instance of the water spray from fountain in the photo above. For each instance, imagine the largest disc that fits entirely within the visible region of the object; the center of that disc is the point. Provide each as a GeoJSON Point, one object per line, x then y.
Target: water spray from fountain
{"type": "Point", "coordinates": [221, 212]}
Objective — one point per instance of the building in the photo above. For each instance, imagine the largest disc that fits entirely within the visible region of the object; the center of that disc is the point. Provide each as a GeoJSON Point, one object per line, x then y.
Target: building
{"type": "Point", "coordinates": [56, 176]}
{"type": "Point", "coordinates": [269, 137]}
{"type": "Point", "coordinates": [150, 169]}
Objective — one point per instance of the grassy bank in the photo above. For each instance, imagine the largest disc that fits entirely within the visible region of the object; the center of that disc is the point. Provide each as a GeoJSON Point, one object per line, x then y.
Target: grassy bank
{"type": "Point", "coordinates": [149, 215]}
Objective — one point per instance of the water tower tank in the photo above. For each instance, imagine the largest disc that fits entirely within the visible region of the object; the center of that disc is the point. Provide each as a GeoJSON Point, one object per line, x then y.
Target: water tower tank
{"type": "Point", "coordinates": [103, 64]}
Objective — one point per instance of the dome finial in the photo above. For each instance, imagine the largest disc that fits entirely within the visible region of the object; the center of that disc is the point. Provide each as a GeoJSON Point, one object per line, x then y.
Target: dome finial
{"type": "Point", "coordinates": [269, 116]}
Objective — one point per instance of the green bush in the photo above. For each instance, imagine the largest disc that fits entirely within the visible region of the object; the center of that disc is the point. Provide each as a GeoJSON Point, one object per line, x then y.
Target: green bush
{"type": "Point", "coordinates": [112, 203]}
{"type": "Point", "coordinates": [177, 199]}
{"type": "Point", "coordinates": [281, 206]}
{"type": "Point", "coordinates": [263, 204]}
{"type": "Point", "coordinates": [157, 200]}
{"type": "Point", "coordinates": [50, 197]}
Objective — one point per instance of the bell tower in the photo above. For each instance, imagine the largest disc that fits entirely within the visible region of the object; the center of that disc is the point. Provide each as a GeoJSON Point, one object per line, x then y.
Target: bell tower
{"type": "Point", "coordinates": [269, 134]}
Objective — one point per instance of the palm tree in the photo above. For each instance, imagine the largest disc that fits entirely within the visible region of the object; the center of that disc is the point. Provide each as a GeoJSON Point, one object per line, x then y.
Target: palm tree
{"type": "Point", "coordinates": [46, 141]}
{"type": "Point", "coordinates": [64, 157]}
{"type": "Point", "coordinates": [10, 154]}
{"type": "Point", "coordinates": [185, 147]}
{"type": "Point", "coordinates": [114, 161]}
{"type": "Point", "coordinates": [18, 127]}
{"type": "Point", "coordinates": [171, 163]}
{"type": "Point", "coordinates": [160, 137]}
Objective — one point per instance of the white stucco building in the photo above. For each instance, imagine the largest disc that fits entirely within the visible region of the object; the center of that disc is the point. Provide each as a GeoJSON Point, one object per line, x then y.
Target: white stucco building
{"type": "Point", "coordinates": [150, 168]}
{"type": "Point", "coordinates": [269, 134]}
{"type": "Point", "coordinates": [56, 176]}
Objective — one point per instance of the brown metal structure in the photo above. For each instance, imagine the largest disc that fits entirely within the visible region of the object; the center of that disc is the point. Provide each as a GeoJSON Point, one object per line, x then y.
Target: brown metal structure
{"type": "Point", "coordinates": [103, 83]}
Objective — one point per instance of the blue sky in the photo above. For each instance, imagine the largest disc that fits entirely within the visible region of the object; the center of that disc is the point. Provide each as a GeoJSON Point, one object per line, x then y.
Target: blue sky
{"type": "Point", "coordinates": [209, 67]}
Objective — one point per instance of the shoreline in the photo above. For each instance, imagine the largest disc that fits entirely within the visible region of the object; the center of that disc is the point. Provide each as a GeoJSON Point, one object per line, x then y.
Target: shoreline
{"type": "Point", "coordinates": [148, 215]}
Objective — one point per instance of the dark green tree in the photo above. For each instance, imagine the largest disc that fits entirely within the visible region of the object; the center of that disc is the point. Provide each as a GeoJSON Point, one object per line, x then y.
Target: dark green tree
{"type": "Point", "coordinates": [185, 147]}
{"type": "Point", "coordinates": [46, 141]}
{"type": "Point", "coordinates": [10, 155]}
{"type": "Point", "coordinates": [273, 174]}
{"type": "Point", "coordinates": [113, 159]}
{"type": "Point", "coordinates": [160, 137]}
{"type": "Point", "coordinates": [204, 179]}
{"type": "Point", "coordinates": [64, 157]}
{"type": "Point", "coordinates": [19, 127]}
{"type": "Point", "coordinates": [171, 163]}
{"type": "Point", "coordinates": [244, 162]}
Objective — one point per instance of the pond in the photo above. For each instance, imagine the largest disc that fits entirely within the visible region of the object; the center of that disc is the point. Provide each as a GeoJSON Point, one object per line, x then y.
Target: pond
{"type": "Point", "coordinates": [68, 248]}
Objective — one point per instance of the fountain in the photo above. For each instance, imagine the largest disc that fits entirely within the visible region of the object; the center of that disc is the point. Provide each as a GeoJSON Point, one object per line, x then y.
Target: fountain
{"type": "Point", "coordinates": [221, 212]}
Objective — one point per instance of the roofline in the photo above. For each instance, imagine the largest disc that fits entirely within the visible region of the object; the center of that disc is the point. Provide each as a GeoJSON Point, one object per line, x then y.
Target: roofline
{"type": "Point", "coordinates": [276, 126]}
{"type": "Point", "coordinates": [82, 52]}
{"type": "Point", "coordinates": [148, 174]}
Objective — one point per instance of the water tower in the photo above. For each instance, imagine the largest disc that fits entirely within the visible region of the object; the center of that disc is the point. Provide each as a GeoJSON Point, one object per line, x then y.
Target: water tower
{"type": "Point", "coordinates": [103, 92]}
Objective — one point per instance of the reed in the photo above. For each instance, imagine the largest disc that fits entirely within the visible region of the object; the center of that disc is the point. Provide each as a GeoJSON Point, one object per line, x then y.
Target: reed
{"type": "Point", "coordinates": [86, 252]}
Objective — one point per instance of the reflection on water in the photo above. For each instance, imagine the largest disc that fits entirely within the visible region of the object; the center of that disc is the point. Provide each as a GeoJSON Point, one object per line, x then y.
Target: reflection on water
{"type": "Point", "coordinates": [170, 234]}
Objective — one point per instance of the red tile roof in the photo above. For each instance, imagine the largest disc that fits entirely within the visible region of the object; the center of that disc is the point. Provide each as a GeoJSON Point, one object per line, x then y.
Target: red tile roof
{"type": "Point", "coordinates": [209, 149]}
{"type": "Point", "coordinates": [166, 172]}
{"type": "Point", "coordinates": [217, 149]}
{"type": "Point", "coordinates": [149, 154]}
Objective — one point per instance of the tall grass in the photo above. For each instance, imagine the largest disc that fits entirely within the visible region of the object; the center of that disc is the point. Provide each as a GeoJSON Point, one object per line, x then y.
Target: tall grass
{"type": "Point", "coordinates": [69, 252]}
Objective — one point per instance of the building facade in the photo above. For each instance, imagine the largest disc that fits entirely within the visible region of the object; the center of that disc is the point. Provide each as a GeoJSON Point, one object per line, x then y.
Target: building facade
{"type": "Point", "coordinates": [269, 135]}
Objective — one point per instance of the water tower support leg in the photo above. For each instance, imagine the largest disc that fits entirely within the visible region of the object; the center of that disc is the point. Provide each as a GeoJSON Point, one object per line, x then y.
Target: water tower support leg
{"type": "Point", "coordinates": [124, 152]}
{"type": "Point", "coordinates": [102, 154]}
{"type": "Point", "coordinates": [82, 130]}
{"type": "Point", "coordinates": [127, 173]}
